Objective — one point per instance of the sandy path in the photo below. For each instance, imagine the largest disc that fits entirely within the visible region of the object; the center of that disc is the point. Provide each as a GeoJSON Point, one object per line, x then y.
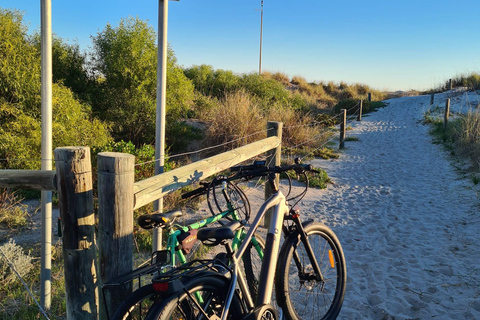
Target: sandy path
{"type": "Point", "coordinates": [407, 221]}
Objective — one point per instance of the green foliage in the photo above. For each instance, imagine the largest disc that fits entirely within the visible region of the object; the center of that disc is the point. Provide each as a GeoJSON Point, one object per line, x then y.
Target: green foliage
{"type": "Point", "coordinates": [268, 91]}
{"type": "Point", "coordinates": [73, 123]}
{"type": "Point", "coordinates": [20, 133]}
{"type": "Point", "coordinates": [319, 180]}
{"type": "Point", "coordinates": [181, 134]}
{"type": "Point", "coordinates": [210, 82]}
{"type": "Point", "coordinates": [19, 64]}
{"type": "Point", "coordinates": [20, 126]}
{"type": "Point", "coordinates": [125, 59]}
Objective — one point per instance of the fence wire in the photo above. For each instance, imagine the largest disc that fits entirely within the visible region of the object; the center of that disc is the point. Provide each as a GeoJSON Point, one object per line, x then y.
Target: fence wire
{"type": "Point", "coordinates": [24, 284]}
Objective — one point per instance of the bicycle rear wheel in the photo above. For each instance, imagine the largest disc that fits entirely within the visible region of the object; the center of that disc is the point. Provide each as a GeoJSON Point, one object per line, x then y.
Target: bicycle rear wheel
{"type": "Point", "coordinates": [184, 305]}
{"type": "Point", "coordinates": [298, 293]}
{"type": "Point", "coordinates": [136, 306]}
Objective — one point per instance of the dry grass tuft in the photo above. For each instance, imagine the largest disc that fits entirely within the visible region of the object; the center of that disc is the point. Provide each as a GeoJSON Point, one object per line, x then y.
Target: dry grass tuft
{"type": "Point", "coordinates": [237, 116]}
{"type": "Point", "coordinates": [468, 137]}
{"type": "Point", "coordinates": [13, 214]}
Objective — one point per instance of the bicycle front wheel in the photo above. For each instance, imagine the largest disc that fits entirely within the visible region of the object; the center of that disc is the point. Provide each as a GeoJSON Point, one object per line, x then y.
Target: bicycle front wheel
{"type": "Point", "coordinates": [202, 298]}
{"type": "Point", "coordinates": [299, 294]}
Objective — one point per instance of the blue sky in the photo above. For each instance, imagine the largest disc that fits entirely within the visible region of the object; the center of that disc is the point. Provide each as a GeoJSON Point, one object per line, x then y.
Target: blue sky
{"type": "Point", "coordinates": [389, 45]}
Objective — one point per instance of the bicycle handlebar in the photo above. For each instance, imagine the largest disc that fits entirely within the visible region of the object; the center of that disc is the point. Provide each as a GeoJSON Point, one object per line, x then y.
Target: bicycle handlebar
{"type": "Point", "coordinates": [260, 169]}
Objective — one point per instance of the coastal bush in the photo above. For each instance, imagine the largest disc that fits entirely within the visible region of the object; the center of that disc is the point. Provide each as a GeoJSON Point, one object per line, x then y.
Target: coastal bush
{"type": "Point", "coordinates": [13, 259]}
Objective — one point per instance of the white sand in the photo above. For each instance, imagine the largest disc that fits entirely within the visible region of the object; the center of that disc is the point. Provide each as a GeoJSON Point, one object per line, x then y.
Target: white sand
{"type": "Point", "coordinates": [408, 220]}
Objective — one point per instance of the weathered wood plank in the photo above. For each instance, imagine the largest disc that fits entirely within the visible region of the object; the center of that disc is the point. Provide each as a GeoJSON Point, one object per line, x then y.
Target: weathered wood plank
{"type": "Point", "coordinates": [150, 189]}
{"type": "Point", "coordinates": [28, 179]}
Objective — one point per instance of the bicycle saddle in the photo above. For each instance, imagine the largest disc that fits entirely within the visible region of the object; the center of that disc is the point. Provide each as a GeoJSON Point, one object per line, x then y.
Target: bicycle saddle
{"type": "Point", "coordinates": [215, 236]}
{"type": "Point", "coordinates": [149, 221]}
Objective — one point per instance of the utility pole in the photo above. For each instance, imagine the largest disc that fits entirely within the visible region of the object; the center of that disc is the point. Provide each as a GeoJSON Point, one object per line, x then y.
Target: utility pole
{"type": "Point", "coordinates": [46, 151]}
{"type": "Point", "coordinates": [261, 33]}
{"type": "Point", "coordinates": [161, 107]}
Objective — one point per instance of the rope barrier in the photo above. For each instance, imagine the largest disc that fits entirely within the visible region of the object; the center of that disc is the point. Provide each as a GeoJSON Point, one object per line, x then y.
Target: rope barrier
{"type": "Point", "coordinates": [205, 149]}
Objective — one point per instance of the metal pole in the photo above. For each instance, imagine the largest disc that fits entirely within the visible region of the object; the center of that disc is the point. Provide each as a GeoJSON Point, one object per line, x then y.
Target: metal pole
{"type": "Point", "coordinates": [46, 94]}
{"type": "Point", "coordinates": [261, 34]}
{"type": "Point", "coordinates": [161, 107]}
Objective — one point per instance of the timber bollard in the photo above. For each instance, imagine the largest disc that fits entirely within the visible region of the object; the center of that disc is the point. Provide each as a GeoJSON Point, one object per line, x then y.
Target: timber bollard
{"type": "Point", "coordinates": [360, 109]}
{"type": "Point", "coordinates": [343, 128]}
{"type": "Point", "coordinates": [447, 113]}
{"type": "Point", "coordinates": [75, 193]}
{"type": "Point", "coordinates": [432, 99]}
{"type": "Point", "coordinates": [116, 174]}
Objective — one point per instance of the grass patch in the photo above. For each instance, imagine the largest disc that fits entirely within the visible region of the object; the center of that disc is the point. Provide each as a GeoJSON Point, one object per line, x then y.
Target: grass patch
{"type": "Point", "coordinates": [352, 138]}
{"type": "Point", "coordinates": [318, 180]}
{"type": "Point", "coordinates": [13, 214]}
{"type": "Point", "coordinates": [461, 136]}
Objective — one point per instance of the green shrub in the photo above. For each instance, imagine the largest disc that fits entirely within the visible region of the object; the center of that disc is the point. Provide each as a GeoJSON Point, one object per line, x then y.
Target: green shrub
{"type": "Point", "coordinates": [14, 257]}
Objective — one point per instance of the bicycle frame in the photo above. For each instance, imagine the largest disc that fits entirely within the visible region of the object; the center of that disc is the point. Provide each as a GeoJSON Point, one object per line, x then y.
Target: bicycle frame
{"type": "Point", "coordinates": [269, 262]}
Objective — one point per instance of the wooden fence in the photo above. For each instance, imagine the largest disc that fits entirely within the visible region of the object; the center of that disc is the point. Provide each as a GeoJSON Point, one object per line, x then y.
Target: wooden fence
{"type": "Point", "coordinates": [118, 197]}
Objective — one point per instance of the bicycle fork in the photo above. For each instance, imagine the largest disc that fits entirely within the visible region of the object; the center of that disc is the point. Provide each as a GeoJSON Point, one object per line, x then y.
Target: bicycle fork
{"type": "Point", "coordinates": [318, 276]}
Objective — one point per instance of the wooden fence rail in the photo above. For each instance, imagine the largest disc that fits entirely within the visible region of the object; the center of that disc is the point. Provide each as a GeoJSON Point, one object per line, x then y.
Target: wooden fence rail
{"type": "Point", "coordinates": [28, 179]}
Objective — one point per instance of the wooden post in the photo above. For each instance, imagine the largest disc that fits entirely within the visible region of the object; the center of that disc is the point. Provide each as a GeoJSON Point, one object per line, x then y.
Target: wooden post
{"type": "Point", "coordinates": [360, 109]}
{"type": "Point", "coordinates": [116, 173]}
{"type": "Point", "coordinates": [369, 97]}
{"type": "Point", "coordinates": [450, 84]}
{"type": "Point", "coordinates": [343, 128]}
{"type": "Point", "coordinates": [432, 99]}
{"type": "Point", "coordinates": [447, 113]}
{"type": "Point", "coordinates": [274, 158]}
{"type": "Point", "coordinates": [74, 185]}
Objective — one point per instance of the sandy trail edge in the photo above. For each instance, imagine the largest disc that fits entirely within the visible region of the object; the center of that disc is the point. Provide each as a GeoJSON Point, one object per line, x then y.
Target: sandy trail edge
{"type": "Point", "coordinates": [407, 220]}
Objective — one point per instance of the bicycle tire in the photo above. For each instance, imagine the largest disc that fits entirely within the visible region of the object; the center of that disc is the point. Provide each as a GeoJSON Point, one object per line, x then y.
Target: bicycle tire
{"type": "Point", "coordinates": [252, 264]}
{"type": "Point", "coordinates": [309, 299]}
{"type": "Point", "coordinates": [218, 204]}
{"type": "Point", "coordinates": [137, 304]}
{"type": "Point", "coordinates": [212, 287]}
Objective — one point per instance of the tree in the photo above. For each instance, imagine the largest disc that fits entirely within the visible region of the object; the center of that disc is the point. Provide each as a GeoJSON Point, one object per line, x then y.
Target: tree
{"type": "Point", "coordinates": [69, 66]}
{"type": "Point", "coordinates": [19, 63]}
{"type": "Point", "coordinates": [20, 111]}
{"type": "Point", "coordinates": [125, 63]}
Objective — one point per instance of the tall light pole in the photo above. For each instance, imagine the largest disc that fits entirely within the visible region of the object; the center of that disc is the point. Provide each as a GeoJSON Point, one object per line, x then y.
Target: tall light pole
{"type": "Point", "coordinates": [261, 31]}
{"type": "Point", "coordinates": [161, 107]}
{"type": "Point", "coordinates": [46, 150]}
